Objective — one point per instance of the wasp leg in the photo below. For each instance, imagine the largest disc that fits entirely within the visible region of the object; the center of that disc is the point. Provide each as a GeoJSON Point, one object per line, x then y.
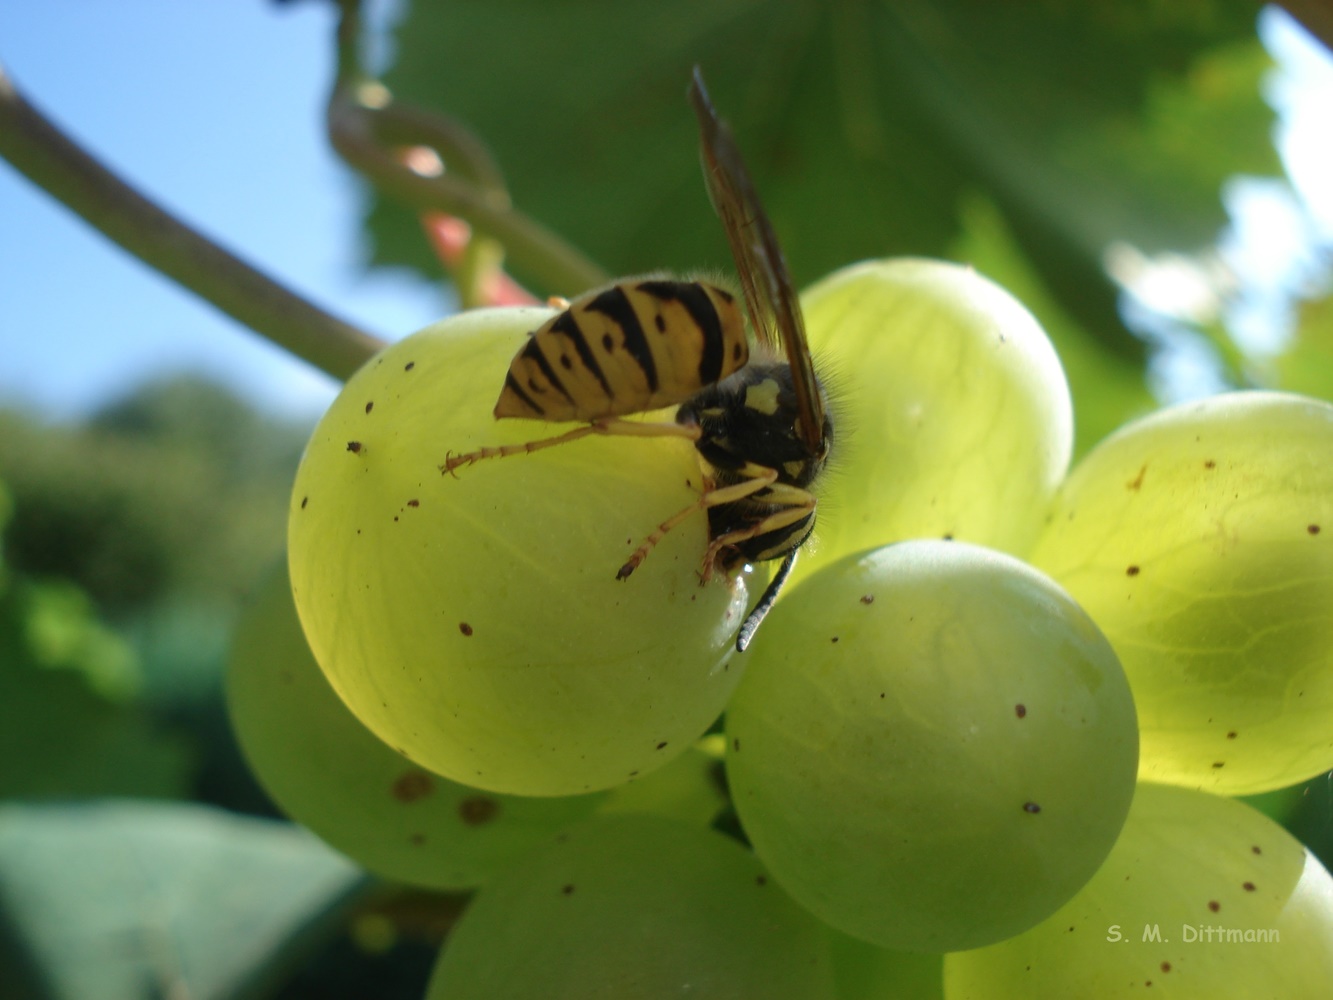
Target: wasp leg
{"type": "Point", "coordinates": [761, 477]}
{"type": "Point", "coordinates": [794, 503]}
{"type": "Point", "coordinates": [606, 425]}
{"type": "Point", "coordinates": [756, 617]}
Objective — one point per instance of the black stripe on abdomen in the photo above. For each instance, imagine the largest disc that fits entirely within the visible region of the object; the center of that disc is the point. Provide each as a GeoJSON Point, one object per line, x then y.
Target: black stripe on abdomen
{"type": "Point", "coordinates": [701, 309]}
{"type": "Point", "coordinates": [616, 306]}
{"type": "Point", "coordinates": [566, 324]}
{"type": "Point", "coordinates": [534, 353]}
{"type": "Point", "coordinates": [512, 385]}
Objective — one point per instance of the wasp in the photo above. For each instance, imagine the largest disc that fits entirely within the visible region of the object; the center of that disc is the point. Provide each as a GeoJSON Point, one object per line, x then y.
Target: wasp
{"type": "Point", "coordinates": [758, 418]}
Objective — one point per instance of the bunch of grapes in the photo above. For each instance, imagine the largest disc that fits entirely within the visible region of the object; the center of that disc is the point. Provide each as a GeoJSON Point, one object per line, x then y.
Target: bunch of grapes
{"type": "Point", "coordinates": [932, 748]}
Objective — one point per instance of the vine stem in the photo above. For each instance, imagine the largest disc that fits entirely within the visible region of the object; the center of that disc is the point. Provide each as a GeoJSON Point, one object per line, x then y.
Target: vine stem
{"type": "Point", "coordinates": [369, 129]}
{"type": "Point", "coordinates": [354, 125]}
{"type": "Point", "coordinates": [35, 147]}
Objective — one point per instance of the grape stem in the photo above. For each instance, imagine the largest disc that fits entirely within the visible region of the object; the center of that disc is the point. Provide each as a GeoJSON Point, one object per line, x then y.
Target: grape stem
{"type": "Point", "coordinates": [35, 147]}
{"type": "Point", "coordinates": [369, 128]}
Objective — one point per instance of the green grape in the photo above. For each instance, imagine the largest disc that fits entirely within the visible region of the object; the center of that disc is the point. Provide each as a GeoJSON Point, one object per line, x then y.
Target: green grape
{"type": "Point", "coordinates": [634, 907]}
{"type": "Point", "coordinates": [1200, 539]}
{"type": "Point", "coordinates": [327, 771]}
{"type": "Point", "coordinates": [952, 411]}
{"type": "Point", "coordinates": [688, 789]}
{"type": "Point", "coordinates": [934, 747]}
{"type": "Point", "coordinates": [474, 622]}
{"type": "Point", "coordinates": [864, 972]}
{"type": "Point", "coordinates": [1202, 897]}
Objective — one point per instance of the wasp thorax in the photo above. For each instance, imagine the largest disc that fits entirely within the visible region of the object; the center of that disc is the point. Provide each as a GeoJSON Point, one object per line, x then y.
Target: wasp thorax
{"type": "Point", "coordinates": [751, 417]}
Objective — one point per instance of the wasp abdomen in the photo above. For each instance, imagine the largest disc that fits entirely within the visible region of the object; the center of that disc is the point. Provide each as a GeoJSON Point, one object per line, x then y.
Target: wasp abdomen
{"type": "Point", "coordinates": [636, 345]}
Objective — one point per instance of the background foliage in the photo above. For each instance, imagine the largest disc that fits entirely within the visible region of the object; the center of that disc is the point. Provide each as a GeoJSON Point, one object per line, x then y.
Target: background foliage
{"type": "Point", "coordinates": [1023, 139]}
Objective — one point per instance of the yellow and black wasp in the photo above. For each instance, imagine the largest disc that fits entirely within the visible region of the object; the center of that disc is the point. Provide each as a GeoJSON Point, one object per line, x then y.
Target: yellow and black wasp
{"type": "Point", "coordinates": [758, 420]}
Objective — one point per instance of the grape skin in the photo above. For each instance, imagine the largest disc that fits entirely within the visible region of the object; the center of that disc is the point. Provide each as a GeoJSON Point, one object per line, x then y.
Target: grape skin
{"type": "Point", "coordinates": [635, 906]}
{"type": "Point", "coordinates": [474, 622]}
{"type": "Point", "coordinates": [1201, 541]}
{"type": "Point", "coordinates": [1186, 862]}
{"type": "Point", "coordinates": [952, 413]}
{"type": "Point", "coordinates": [328, 772]}
{"type": "Point", "coordinates": [934, 748]}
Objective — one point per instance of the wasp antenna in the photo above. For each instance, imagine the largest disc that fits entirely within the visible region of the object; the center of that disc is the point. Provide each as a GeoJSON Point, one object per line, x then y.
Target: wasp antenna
{"type": "Point", "coordinates": [756, 617]}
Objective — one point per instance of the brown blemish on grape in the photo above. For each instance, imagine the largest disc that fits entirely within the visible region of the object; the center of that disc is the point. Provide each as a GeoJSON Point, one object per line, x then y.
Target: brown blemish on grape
{"type": "Point", "coordinates": [370, 405]}
{"type": "Point", "coordinates": [412, 786]}
{"type": "Point", "coordinates": [567, 889]}
{"type": "Point", "coordinates": [304, 501]}
{"type": "Point", "coordinates": [736, 744]}
{"type": "Point", "coordinates": [1165, 966]}
{"type": "Point", "coordinates": [465, 628]}
{"type": "Point", "coordinates": [1312, 529]}
{"type": "Point", "coordinates": [1136, 483]}
{"type": "Point", "coordinates": [947, 536]}
{"type": "Point", "coordinates": [417, 839]}
{"type": "Point", "coordinates": [414, 503]}
{"type": "Point", "coordinates": [409, 366]}
{"type": "Point", "coordinates": [1247, 886]}
{"type": "Point", "coordinates": [1032, 807]}
{"type": "Point", "coordinates": [1214, 905]}
{"type": "Point", "coordinates": [760, 880]}
{"type": "Point", "coordinates": [476, 810]}
{"type": "Point", "coordinates": [867, 598]}
{"type": "Point", "coordinates": [833, 639]}
{"type": "Point", "coordinates": [1219, 764]}
{"type": "Point", "coordinates": [1210, 464]}
{"type": "Point", "coordinates": [1020, 710]}
{"type": "Point", "coordinates": [662, 745]}
{"type": "Point", "coordinates": [354, 447]}
{"type": "Point", "coordinates": [1231, 735]}
{"type": "Point", "coordinates": [1131, 571]}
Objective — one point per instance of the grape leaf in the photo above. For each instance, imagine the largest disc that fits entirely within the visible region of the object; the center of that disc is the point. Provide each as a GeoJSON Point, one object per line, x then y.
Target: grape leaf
{"type": "Point", "coordinates": [125, 900]}
{"type": "Point", "coordinates": [863, 123]}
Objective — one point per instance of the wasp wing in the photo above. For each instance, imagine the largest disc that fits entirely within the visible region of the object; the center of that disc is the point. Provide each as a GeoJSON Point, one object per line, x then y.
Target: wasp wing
{"type": "Point", "coordinates": [774, 308]}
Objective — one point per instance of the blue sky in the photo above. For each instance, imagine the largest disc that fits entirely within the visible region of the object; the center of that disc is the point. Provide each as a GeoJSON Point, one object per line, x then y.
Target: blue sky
{"type": "Point", "coordinates": [214, 107]}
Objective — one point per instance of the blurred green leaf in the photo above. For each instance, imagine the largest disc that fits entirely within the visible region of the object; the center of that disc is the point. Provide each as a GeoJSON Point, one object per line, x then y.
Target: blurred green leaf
{"type": "Point", "coordinates": [180, 487]}
{"type": "Point", "coordinates": [863, 123]}
{"type": "Point", "coordinates": [66, 726]}
{"type": "Point", "coordinates": [60, 632]}
{"type": "Point", "coordinates": [123, 901]}
{"type": "Point", "coordinates": [1306, 365]}
{"type": "Point", "coordinates": [6, 512]}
